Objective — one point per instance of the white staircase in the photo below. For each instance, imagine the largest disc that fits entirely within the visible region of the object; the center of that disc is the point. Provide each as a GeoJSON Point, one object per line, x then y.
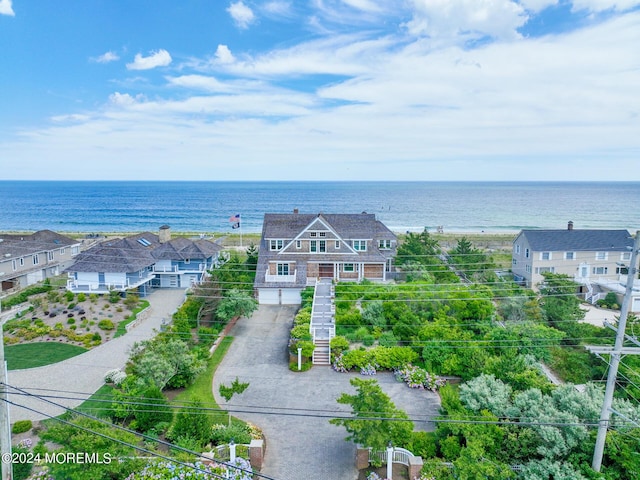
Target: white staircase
{"type": "Point", "coordinates": [321, 354]}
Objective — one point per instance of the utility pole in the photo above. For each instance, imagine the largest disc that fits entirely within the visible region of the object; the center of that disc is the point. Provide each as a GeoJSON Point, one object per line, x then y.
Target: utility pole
{"type": "Point", "coordinates": [5, 434]}
{"type": "Point", "coordinates": [616, 354]}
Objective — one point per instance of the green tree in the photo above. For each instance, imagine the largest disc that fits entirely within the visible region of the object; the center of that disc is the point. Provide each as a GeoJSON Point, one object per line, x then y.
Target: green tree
{"type": "Point", "coordinates": [154, 409]}
{"type": "Point", "coordinates": [378, 420]}
{"type": "Point", "coordinates": [192, 422]}
{"type": "Point", "coordinates": [236, 303]}
{"type": "Point", "coordinates": [252, 257]}
{"type": "Point", "coordinates": [373, 314]}
{"type": "Point", "coordinates": [559, 300]}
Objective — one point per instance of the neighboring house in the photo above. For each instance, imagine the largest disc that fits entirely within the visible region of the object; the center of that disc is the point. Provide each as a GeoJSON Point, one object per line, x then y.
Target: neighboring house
{"type": "Point", "coordinates": [296, 249]}
{"type": "Point", "coordinates": [143, 260]}
{"type": "Point", "coordinates": [28, 259]}
{"type": "Point", "coordinates": [593, 258]}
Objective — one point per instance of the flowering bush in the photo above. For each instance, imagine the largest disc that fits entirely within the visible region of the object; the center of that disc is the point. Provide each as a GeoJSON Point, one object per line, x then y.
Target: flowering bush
{"type": "Point", "coordinates": [416, 377]}
{"type": "Point", "coordinates": [375, 476]}
{"type": "Point", "coordinates": [338, 365]}
{"type": "Point", "coordinates": [115, 376]}
{"type": "Point", "coordinates": [196, 471]}
{"type": "Point", "coordinates": [369, 369]}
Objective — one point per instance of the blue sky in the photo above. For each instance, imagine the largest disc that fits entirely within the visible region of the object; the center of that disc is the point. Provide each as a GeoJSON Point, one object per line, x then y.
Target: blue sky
{"type": "Point", "coordinates": [320, 89]}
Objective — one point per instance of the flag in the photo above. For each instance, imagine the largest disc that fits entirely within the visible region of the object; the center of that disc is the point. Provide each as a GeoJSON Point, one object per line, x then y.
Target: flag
{"type": "Point", "coordinates": [235, 220]}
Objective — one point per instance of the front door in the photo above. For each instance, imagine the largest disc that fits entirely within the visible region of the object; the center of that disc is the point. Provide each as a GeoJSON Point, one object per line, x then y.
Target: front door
{"type": "Point", "coordinates": [325, 270]}
{"type": "Point", "coordinates": [584, 270]}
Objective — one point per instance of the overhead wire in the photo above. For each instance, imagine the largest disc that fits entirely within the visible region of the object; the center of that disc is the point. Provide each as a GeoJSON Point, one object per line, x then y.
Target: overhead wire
{"type": "Point", "coordinates": [119, 427]}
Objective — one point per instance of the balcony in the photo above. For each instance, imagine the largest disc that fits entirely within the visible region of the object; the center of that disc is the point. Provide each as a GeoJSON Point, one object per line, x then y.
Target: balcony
{"type": "Point", "coordinates": [280, 278]}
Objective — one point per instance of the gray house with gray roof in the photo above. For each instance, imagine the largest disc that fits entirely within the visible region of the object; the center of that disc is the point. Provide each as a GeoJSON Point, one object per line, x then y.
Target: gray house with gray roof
{"type": "Point", "coordinates": [143, 260]}
{"type": "Point", "coordinates": [587, 256]}
{"type": "Point", "coordinates": [296, 249]}
{"type": "Point", "coordinates": [26, 259]}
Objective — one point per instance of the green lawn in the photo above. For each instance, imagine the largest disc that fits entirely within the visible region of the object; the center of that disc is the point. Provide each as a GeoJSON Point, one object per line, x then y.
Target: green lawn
{"type": "Point", "coordinates": [29, 355]}
{"type": "Point", "coordinates": [201, 388]}
{"type": "Point", "coordinates": [99, 403]}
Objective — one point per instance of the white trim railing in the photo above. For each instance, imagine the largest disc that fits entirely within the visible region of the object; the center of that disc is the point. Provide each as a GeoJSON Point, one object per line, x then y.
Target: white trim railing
{"type": "Point", "coordinates": [280, 278]}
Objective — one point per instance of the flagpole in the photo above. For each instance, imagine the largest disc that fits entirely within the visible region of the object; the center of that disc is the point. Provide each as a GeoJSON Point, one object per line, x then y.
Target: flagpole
{"type": "Point", "coordinates": [240, 223]}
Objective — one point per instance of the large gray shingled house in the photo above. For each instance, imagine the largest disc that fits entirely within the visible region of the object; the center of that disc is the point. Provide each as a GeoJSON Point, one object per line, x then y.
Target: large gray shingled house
{"type": "Point", "coordinates": [296, 249]}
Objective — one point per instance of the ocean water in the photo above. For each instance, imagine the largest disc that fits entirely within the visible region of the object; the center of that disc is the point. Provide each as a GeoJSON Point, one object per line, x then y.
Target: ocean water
{"type": "Point", "coordinates": [205, 207]}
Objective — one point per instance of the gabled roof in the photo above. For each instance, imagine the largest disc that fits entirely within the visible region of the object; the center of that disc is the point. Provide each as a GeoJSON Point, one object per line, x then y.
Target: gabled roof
{"type": "Point", "coordinates": [578, 240]}
{"type": "Point", "coordinates": [347, 225]}
{"type": "Point", "coordinates": [113, 256]}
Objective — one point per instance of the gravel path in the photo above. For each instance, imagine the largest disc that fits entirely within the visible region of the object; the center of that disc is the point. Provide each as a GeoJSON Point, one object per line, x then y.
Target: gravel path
{"type": "Point", "coordinates": [293, 409]}
{"type": "Point", "coordinates": [82, 375]}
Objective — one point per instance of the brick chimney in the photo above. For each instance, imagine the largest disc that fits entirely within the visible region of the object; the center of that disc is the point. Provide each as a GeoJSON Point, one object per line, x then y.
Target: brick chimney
{"type": "Point", "coordinates": [164, 234]}
{"type": "Point", "coordinates": [570, 225]}
{"type": "Point", "coordinates": [295, 211]}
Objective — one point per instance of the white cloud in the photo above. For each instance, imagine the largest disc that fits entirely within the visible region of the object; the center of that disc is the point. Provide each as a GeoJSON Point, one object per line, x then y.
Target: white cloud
{"type": "Point", "coordinates": [199, 82]}
{"type": "Point", "coordinates": [124, 99]}
{"type": "Point", "coordinates": [242, 15]}
{"type": "Point", "coordinates": [160, 58]}
{"type": "Point", "coordinates": [107, 57]}
{"type": "Point", "coordinates": [537, 5]}
{"type": "Point", "coordinates": [467, 18]}
{"type": "Point", "coordinates": [278, 8]}
{"type": "Point", "coordinates": [363, 5]}
{"type": "Point", "coordinates": [224, 55]}
{"type": "Point", "coordinates": [601, 5]}
{"type": "Point", "coordinates": [6, 8]}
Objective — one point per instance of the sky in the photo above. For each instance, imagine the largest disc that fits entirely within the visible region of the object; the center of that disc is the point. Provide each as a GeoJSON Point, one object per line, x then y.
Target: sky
{"type": "Point", "coordinates": [320, 90]}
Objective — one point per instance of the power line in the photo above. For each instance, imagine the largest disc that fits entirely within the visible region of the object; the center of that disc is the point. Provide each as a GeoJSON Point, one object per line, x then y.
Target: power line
{"type": "Point", "coordinates": [146, 437]}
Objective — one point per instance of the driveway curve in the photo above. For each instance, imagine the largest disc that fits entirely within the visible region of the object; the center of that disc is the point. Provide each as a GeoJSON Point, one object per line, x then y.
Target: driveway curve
{"type": "Point", "coordinates": [293, 409]}
{"type": "Point", "coordinates": [82, 375]}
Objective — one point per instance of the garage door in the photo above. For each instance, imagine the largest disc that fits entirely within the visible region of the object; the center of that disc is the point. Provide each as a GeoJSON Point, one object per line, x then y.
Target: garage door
{"type": "Point", "coordinates": [268, 296]}
{"type": "Point", "coordinates": [290, 296]}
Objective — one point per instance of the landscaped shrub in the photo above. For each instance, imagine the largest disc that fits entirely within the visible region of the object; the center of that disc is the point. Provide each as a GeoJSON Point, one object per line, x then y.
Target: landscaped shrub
{"type": "Point", "coordinates": [388, 339]}
{"type": "Point", "coordinates": [207, 335]}
{"type": "Point", "coordinates": [23, 296]}
{"type": "Point", "coordinates": [338, 345]}
{"type": "Point", "coordinates": [106, 324]}
{"type": "Point", "coordinates": [303, 317]}
{"type": "Point", "coordinates": [368, 340]}
{"type": "Point", "coordinates": [71, 321]}
{"type": "Point", "coordinates": [301, 332]}
{"type": "Point", "coordinates": [81, 297]}
{"type": "Point", "coordinates": [386, 358]}
{"type": "Point", "coordinates": [69, 295]}
{"type": "Point", "coordinates": [21, 426]}
{"type": "Point", "coordinates": [222, 434]}
{"type": "Point", "coordinates": [71, 306]}
{"type": "Point", "coordinates": [360, 333]}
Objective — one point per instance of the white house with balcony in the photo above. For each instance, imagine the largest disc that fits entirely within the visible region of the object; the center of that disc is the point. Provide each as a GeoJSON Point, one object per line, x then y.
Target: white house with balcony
{"type": "Point", "coordinates": [297, 249]}
{"type": "Point", "coordinates": [143, 260]}
{"type": "Point", "coordinates": [596, 259]}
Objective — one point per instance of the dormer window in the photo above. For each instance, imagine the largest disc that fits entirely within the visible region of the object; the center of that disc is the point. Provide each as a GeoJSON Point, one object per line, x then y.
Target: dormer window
{"type": "Point", "coordinates": [313, 234]}
{"type": "Point", "coordinates": [360, 245]}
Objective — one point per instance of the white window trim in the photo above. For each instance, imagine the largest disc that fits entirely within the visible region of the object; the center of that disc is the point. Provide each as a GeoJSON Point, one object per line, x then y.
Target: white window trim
{"type": "Point", "coordinates": [625, 256]}
{"type": "Point", "coordinates": [545, 259]}
{"type": "Point", "coordinates": [605, 256]}
{"type": "Point", "coordinates": [280, 269]}
{"type": "Point", "coordinates": [517, 249]}
{"type": "Point", "coordinates": [298, 244]}
{"type": "Point", "coordinates": [14, 265]}
{"type": "Point", "coordinates": [22, 261]}
{"type": "Point", "coordinates": [276, 244]}
{"type": "Point", "coordinates": [346, 270]}
{"type": "Point", "coordinates": [527, 252]}
{"type": "Point", "coordinates": [337, 244]}
{"type": "Point", "coordinates": [566, 255]}
{"type": "Point", "coordinates": [62, 251]}
{"type": "Point", "coordinates": [359, 243]}
{"type": "Point", "coordinates": [50, 256]}
{"type": "Point", "coordinates": [36, 259]}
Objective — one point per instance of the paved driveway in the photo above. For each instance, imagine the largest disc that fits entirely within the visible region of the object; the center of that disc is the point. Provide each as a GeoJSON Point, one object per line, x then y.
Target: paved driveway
{"type": "Point", "coordinates": [84, 374]}
{"type": "Point", "coordinates": [293, 409]}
